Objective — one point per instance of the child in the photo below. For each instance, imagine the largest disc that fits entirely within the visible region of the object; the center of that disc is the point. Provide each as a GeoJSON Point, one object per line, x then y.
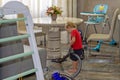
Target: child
{"type": "Point", "coordinates": [75, 44]}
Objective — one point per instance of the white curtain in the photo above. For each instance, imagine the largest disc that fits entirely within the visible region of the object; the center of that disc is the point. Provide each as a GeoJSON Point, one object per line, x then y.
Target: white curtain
{"type": "Point", "coordinates": [43, 7]}
{"type": "Point", "coordinates": [64, 5]}
{"type": "Point", "coordinates": [69, 7]}
{"type": "Point", "coordinates": [38, 7]}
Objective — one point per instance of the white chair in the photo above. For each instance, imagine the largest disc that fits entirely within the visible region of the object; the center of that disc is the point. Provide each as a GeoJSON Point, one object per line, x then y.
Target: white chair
{"type": "Point", "coordinates": [105, 37]}
{"type": "Point", "coordinates": [22, 29]}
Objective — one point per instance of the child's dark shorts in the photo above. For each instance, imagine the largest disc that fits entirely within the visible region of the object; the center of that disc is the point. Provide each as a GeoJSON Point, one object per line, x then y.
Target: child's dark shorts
{"type": "Point", "coordinates": [79, 52]}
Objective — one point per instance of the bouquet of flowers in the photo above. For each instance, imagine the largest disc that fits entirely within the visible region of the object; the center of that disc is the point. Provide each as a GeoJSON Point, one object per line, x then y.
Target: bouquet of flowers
{"type": "Point", "coordinates": [54, 10]}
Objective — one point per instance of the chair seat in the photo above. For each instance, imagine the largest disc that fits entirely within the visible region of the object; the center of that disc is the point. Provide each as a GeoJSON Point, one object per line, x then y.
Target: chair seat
{"type": "Point", "coordinates": [96, 37]}
{"type": "Point", "coordinates": [24, 31]}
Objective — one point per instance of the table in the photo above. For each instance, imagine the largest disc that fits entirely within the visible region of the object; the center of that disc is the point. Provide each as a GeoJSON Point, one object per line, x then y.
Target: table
{"type": "Point", "coordinates": [53, 28]}
{"type": "Point", "coordinates": [46, 22]}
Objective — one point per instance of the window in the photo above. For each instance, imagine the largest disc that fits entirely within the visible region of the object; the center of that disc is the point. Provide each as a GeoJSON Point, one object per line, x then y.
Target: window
{"type": "Point", "coordinates": [37, 7]}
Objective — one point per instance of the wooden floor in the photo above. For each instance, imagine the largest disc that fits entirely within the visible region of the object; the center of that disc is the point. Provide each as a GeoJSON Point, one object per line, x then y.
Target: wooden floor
{"type": "Point", "coordinates": [103, 65]}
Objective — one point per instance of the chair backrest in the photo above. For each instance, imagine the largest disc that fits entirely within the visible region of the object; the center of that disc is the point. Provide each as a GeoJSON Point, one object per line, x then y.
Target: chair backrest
{"type": "Point", "coordinates": [113, 23]}
{"type": "Point", "coordinates": [21, 24]}
{"type": "Point", "coordinates": [100, 8]}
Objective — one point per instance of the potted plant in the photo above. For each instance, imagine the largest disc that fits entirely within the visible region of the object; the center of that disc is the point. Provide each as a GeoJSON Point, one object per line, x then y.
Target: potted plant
{"type": "Point", "coordinates": [54, 11]}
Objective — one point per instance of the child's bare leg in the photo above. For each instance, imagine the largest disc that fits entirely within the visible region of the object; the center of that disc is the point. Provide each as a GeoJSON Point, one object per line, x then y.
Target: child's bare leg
{"type": "Point", "coordinates": [75, 66]}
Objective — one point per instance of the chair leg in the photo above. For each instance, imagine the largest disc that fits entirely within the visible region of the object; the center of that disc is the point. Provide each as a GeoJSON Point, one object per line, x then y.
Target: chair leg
{"type": "Point", "coordinates": [89, 50]}
{"type": "Point", "coordinates": [45, 40]}
{"type": "Point", "coordinates": [104, 25]}
{"type": "Point", "coordinates": [113, 42]}
{"type": "Point", "coordinates": [95, 28]}
{"type": "Point", "coordinates": [98, 46]}
{"type": "Point", "coordinates": [84, 37]}
{"type": "Point", "coordinates": [109, 25]}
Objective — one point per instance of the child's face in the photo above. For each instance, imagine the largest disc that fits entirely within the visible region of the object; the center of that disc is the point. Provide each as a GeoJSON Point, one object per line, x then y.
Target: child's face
{"type": "Point", "coordinates": [68, 29]}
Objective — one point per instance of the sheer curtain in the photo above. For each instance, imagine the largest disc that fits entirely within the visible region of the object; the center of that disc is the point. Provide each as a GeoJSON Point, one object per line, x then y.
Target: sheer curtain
{"type": "Point", "coordinates": [38, 7]}
{"type": "Point", "coordinates": [69, 7]}
{"type": "Point", "coordinates": [44, 4]}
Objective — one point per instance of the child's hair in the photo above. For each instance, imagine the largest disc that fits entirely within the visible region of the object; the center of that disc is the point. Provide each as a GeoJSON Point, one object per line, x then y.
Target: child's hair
{"type": "Point", "coordinates": [70, 24]}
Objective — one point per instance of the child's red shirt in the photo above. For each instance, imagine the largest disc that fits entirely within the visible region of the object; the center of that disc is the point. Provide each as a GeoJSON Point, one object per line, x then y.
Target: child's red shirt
{"type": "Point", "coordinates": [78, 43]}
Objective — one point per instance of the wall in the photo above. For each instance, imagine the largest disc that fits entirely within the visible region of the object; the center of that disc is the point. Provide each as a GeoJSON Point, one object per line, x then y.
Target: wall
{"type": "Point", "coordinates": [88, 5]}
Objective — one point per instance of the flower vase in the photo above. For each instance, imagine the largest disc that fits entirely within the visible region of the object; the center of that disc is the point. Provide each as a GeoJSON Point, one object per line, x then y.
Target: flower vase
{"type": "Point", "coordinates": [54, 17]}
